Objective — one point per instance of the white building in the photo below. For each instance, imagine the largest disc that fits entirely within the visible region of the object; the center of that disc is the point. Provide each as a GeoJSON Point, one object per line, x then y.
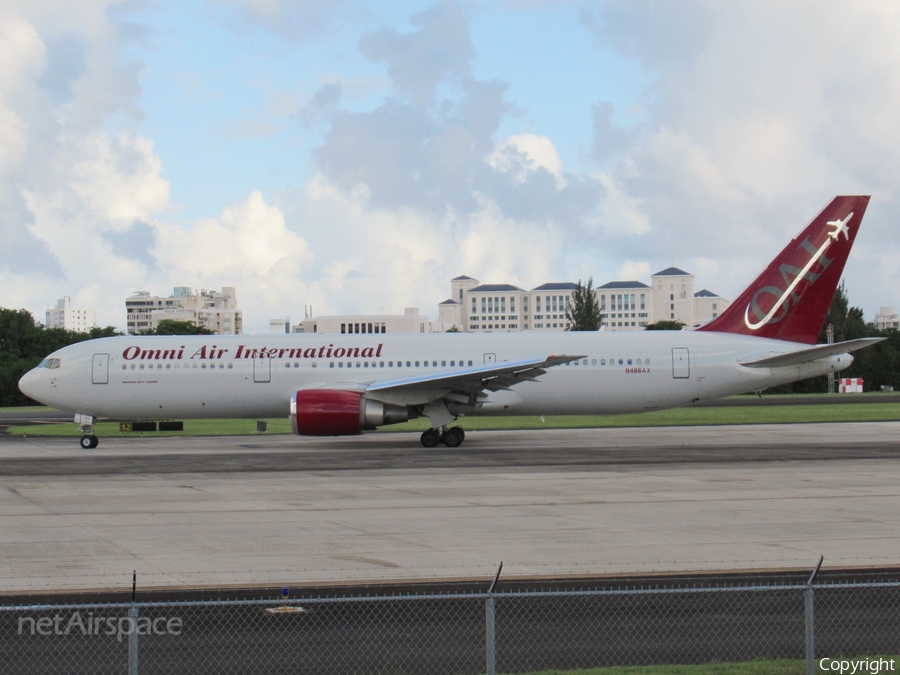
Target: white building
{"type": "Point", "coordinates": [707, 306]}
{"type": "Point", "coordinates": [408, 322]}
{"type": "Point", "coordinates": [886, 318]}
{"type": "Point", "coordinates": [282, 325]}
{"type": "Point", "coordinates": [65, 316]}
{"type": "Point", "coordinates": [625, 305]}
{"type": "Point", "coordinates": [214, 310]}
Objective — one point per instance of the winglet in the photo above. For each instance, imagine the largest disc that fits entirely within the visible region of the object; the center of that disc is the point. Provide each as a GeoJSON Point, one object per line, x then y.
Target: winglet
{"type": "Point", "coordinates": [790, 299]}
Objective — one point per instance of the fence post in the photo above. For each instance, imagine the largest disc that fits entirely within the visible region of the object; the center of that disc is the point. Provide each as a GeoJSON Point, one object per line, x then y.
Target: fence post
{"type": "Point", "coordinates": [133, 632]}
{"type": "Point", "coordinates": [490, 653]}
{"type": "Point", "coordinates": [133, 641]}
{"type": "Point", "coordinates": [810, 621]}
{"type": "Point", "coordinates": [490, 636]}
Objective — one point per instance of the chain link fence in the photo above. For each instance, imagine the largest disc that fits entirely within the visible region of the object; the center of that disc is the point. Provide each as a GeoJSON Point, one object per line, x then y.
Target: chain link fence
{"type": "Point", "coordinates": [461, 633]}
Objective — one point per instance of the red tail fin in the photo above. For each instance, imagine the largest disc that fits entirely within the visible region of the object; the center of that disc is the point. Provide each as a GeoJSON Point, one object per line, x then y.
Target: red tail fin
{"type": "Point", "coordinates": [790, 299]}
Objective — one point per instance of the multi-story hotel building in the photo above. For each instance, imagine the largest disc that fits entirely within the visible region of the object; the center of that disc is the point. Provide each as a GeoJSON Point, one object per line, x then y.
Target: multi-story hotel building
{"type": "Point", "coordinates": [624, 305]}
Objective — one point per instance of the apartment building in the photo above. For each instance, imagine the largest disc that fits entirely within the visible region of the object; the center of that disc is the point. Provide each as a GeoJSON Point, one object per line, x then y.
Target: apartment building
{"type": "Point", "coordinates": [64, 315]}
{"type": "Point", "coordinates": [214, 310]}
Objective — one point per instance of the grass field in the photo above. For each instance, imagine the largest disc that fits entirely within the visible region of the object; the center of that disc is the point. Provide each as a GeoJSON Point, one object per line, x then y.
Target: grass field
{"type": "Point", "coordinates": [788, 414]}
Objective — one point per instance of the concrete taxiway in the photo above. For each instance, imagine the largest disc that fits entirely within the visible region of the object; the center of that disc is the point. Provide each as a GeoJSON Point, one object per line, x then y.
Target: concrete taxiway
{"type": "Point", "coordinates": [270, 510]}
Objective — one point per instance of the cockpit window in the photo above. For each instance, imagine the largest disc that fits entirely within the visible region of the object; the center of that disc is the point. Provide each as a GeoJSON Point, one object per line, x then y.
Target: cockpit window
{"type": "Point", "coordinates": [49, 363]}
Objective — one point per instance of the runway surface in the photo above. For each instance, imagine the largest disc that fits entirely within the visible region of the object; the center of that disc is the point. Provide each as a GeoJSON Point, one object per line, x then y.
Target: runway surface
{"type": "Point", "coordinates": [248, 511]}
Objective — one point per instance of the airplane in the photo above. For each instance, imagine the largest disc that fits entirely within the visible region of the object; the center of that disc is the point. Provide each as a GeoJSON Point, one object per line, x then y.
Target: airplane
{"type": "Point", "coordinates": [334, 385]}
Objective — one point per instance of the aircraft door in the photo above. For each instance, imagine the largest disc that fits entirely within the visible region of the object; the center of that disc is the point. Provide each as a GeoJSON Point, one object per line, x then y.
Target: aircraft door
{"type": "Point", "coordinates": [681, 363]}
{"type": "Point", "coordinates": [490, 358]}
{"type": "Point", "coordinates": [262, 370]}
{"type": "Point", "coordinates": [100, 369]}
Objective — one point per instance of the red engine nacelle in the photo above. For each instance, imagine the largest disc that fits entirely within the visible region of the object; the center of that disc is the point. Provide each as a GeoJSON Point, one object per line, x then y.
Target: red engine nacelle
{"type": "Point", "coordinates": [331, 412]}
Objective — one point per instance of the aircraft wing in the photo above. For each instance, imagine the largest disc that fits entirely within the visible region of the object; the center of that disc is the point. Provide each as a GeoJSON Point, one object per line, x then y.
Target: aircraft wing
{"type": "Point", "coordinates": [810, 354]}
{"type": "Point", "coordinates": [472, 381]}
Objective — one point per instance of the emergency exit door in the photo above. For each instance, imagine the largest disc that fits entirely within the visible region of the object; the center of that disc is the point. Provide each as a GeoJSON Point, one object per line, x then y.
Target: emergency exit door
{"type": "Point", "coordinates": [681, 363]}
{"type": "Point", "coordinates": [100, 369]}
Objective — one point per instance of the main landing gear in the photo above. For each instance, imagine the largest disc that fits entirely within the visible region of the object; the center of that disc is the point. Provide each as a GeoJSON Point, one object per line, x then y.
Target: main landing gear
{"type": "Point", "coordinates": [452, 437]}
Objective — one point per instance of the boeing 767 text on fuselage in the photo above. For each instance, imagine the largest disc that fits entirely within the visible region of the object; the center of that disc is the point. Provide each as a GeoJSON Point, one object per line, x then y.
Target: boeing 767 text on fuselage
{"type": "Point", "coordinates": [345, 384]}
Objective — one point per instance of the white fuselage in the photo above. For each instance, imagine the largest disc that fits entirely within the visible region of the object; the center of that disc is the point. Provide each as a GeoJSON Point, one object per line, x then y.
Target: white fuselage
{"type": "Point", "coordinates": [183, 377]}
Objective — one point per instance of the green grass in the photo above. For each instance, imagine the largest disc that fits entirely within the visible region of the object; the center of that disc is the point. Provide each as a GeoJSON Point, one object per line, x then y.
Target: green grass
{"type": "Point", "coordinates": [788, 414]}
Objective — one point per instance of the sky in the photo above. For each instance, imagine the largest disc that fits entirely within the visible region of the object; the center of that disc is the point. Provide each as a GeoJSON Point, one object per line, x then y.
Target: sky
{"type": "Point", "coordinates": [355, 156]}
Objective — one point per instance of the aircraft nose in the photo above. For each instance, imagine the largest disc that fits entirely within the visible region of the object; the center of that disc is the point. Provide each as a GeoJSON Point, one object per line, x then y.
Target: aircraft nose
{"type": "Point", "coordinates": [27, 384]}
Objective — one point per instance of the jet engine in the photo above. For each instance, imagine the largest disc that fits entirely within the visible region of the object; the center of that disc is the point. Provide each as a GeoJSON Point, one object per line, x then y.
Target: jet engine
{"type": "Point", "coordinates": [332, 412]}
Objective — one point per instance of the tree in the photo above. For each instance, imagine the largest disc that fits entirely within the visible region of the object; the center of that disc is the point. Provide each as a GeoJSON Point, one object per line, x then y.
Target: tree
{"type": "Point", "coordinates": [584, 312]}
{"type": "Point", "coordinates": [172, 327]}
{"type": "Point", "coordinates": [24, 343]}
{"type": "Point", "coordinates": [666, 324]}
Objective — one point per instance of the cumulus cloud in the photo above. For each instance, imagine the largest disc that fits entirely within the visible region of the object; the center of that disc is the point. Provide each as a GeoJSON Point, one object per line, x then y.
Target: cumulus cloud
{"type": "Point", "coordinates": [428, 157]}
{"type": "Point", "coordinates": [756, 116]}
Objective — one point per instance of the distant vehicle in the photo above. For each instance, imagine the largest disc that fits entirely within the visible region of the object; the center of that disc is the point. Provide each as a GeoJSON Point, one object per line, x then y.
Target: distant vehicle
{"type": "Point", "coordinates": [345, 384]}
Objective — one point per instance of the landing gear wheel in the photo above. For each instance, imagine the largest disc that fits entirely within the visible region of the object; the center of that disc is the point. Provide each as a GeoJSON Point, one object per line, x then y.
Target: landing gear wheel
{"type": "Point", "coordinates": [430, 438]}
{"type": "Point", "coordinates": [453, 437]}
{"type": "Point", "coordinates": [89, 442]}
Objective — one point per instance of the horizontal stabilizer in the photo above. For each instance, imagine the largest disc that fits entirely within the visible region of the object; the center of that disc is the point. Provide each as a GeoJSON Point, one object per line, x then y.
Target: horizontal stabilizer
{"type": "Point", "coordinates": [810, 354]}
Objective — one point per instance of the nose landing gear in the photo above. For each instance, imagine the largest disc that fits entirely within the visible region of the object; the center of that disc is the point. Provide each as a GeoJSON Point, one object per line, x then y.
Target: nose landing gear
{"type": "Point", "coordinates": [452, 437]}
{"type": "Point", "coordinates": [88, 439]}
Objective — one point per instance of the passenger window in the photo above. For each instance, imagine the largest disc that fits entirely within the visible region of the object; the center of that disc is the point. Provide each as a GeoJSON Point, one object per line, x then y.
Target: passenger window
{"type": "Point", "coordinates": [417, 364]}
{"type": "Point", "coordinates": [142, 366]}
{"type": "Point", "coordinates": [620, 362]}
{"type": "Point", "coordinates": [390, 364]}
{"type": "Point", "coordinates": [452, 363]}
{"type": "Point", "coordinates": [229, 366]}
{"type": "Point", "coordinates": [124, 366]}
{"type": "Point", "coordinates": [367, 364]}
{"type": "Point", "coordinates": [314, 364]}
{"type": "Point", "coordinates": [593, 362]}
{"type": "Point", "coordinates": [638, 362]}
{"type": "Point", "coordinates": [331, 364]}
{"type": "Point", "coordinates": [407, 364]}
{"type": "Point", "coordinates": [381, 364]}
{"type": "Point", "coordinates": [194, 366]}
{"type": "Point", "coordinates": [168, 366]}
{"type": "Point", "coordinates": [358, 364]}
{"type": "Point", "coordinates": [340, 364]}
{"type": "Point", "coordinates": [584, 363]}
{"type": "Point", "coordinates": [132, 366]}
{"type": "Point", "coordinates": [647, 361]}
{"type": "Point", "coordinates": [296, 365]}
{"type": "Point", "coordinates": [203, 365]}
{"type": "Point", "coordinates": [434, 364]}
{"type": "Point", "coordinates": [629, 362]}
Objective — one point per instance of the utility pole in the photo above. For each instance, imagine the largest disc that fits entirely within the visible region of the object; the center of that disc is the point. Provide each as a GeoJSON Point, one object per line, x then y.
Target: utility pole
{"type": "Point", "coordinates": [830, 334]}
